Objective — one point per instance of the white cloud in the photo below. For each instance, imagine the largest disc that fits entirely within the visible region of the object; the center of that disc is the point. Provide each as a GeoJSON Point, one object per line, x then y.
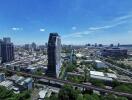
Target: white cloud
{"type": "Point", "coordinates": [74, 28]}
{"type": "Point", "coordinates": [16, 28]}
{"type": "Point", "coordinates": [107, 26]}
{"type": "Point", "coordinates": [77, 34]}
{"type": "Point", "coordinates": [123, 17]}
{"type": "Point", "coordinates": [83, 33]}
{"type": "Point", "coordinates": [130, 31]}
{"type": "Point", "coordinates": [113, 23]}
{"type": "Point", "coordinates": [42, 29]}
{"type": "Point", "coordinates": [110, 24]}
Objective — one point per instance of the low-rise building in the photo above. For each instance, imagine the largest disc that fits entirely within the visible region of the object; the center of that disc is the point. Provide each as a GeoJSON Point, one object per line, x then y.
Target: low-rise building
{"type": "Point", "coordinates": [22, 83]}
{"type": "Point", "coordinates": [42, 94]}
{"type": "Point", "coordinates": [28, 83]}
{"type": "Point", "coordinates": [31, 69]}
{"type": "Point", "coordinates": [100, 64]}
{"type": "Point", "coordinates": [2, 77]}
{"type": "Point", "coordinates": [114, 52]}
{"type": "Point", "coordinates": [111, 75]}
{"type": "Point", "coordinates": [102, 76]}
{"type": "Point", "coordinates": [8, 84]}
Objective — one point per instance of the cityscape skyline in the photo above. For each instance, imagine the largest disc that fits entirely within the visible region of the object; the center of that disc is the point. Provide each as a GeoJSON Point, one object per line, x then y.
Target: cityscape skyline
{"type": "Point", "coordinates": [65, 49]}
{"type": "Point", "coordinates": [76, 20]}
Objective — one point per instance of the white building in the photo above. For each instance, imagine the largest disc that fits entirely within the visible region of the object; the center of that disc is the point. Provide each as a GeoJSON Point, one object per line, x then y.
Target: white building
{"type": "Point", "coordinates": [100, 64]}
{"type": "Point", "coordinates": [8, 84]}
{"type": "Point", "coordinates": [96, 73]}
{"type": "Point", "coordinates": [100, 76]}
{"type": "Point", "coordinates": [111, 75]}
{"type": "Point", "coordinates": [22, 82]}
{"type": "Point", "coordinates": [42, 94]}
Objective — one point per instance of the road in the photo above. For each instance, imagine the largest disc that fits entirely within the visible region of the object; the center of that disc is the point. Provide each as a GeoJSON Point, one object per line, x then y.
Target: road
{"type": "Point", "coordinates": [72, 83]}
{"type": "Point", "coordinates": [118, 68]}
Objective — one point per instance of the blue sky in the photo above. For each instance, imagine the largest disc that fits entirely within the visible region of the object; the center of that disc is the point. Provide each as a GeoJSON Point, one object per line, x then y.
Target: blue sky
{"type": "Point", "coordinates": [77, 21]}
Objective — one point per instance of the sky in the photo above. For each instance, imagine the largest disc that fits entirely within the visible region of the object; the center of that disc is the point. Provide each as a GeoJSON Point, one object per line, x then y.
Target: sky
{"type": "Point", "coordinates": [76, 21]}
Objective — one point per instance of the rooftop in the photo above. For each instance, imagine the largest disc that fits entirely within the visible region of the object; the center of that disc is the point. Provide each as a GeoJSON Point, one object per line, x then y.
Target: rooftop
{"type": "Point", "coordinates": [111, 75]}
{"type": "Point", "coordinates": [96, 73]}
{"type": "Point", "coordinates": [7, 83]}
{"type": "Point", "coordinates": [42, 93]}
{"type": "Point", "coordinates": [98, 61]}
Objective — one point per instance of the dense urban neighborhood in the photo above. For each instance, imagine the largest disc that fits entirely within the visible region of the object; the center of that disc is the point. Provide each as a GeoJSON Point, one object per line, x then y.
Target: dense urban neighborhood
{"type": "Point", "coordinates": [65, 72]}
{"type": "Point", "coordinates": [65, 49]}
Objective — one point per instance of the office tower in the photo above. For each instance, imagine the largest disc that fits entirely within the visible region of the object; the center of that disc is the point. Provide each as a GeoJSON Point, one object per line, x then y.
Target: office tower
{"type": "Point", "coordinates": [95, 45]}
{"type": "Point", "coordinates": [54, 55]}
{"type": "Point", "coordinates": [6, 50]}
{"type": "Point", "coordinates": [7, 40]}
{"type": "Point", "coordinates": [118, 45]}
{"type": "Point", "coordinates": [73, 56]}
{"type": "Point", "coordinates": [34, 46]}
{"type": "Point", "coordinates": [27, 47]}
{"type": "Point", "coordinates": [46, 45]}
{"type": "Point", "coordinates": [111, 45]}
{"type": "Point", "coordinates": [0, 51]}
{"type": "Point", "coordinates": [100, 45]}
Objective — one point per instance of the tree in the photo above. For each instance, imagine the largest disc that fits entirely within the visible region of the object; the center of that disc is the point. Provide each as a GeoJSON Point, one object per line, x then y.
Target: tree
{"type": "Point", "coordinates": [85, 74]}
{"type": "Point", "coordinates": [52, 97]}
{"type": "Point", "coordinates": [70, 67]}
{"type": "Point", "coordinates": [68, 93]}
{"type": "Point", "coordinates": [80, 97]}
{"type": "Point", "coordinates": [97, 82]}
{"type": "Point", "coordinates": [6, 94]}
{"type": "Point", "coordinates": [125, 88]}
{"type": "Point", "coordinates": [112, 97]}
{"type": "Point", "coordinates": [39, 72]}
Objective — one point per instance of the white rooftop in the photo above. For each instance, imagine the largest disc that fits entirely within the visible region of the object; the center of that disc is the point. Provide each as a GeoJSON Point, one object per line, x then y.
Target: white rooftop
{"type": "Point", "coordinates": [7, 83]}
{"type": "Point", "coordinates": [97, 61]}
{"type": "Point", "coordinates": [111, 75]}
{"type": "Point", "coordinates": [31, 67]}
{"type": "Point", "coordinates": [88, 60]}
{"type": "Point", "coordinates": [79, 55]}
{"type": "Point", "coordinates": [42, 93]}
{"type": "Point", "coordinates": [27, 80]}
{"type": "Point", "coordinates": [2, 73]}
{"type": "Point", "coordinates": [17, 78]}
{"type": "Point", "coordinates": [96, 73]}
{"type": "Point", "coordinates": [101, 77]}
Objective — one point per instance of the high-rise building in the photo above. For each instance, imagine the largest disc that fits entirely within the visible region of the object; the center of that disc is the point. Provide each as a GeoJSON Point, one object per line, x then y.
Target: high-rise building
{"type": "Point", "coordinates": [6, 50]}
{"type": "Point", "coordinates": [54, 55]}
{"type": "Point", "coordinates": [0, 51]}
{"type": "Point", "coordinates": [7, 40]}
{"type": "Point", "coordinates": [34, 46]}
{"type": "Point", "coordinates": [118, 45]}
{"type": "Point", "coordinates": [27, 47]}
{"type": "Point", "coordinates": [111, 45]}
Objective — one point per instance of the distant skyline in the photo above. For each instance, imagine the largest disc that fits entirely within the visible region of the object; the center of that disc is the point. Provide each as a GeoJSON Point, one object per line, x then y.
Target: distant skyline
{"type": "Point", "coordinates": [76, 21]}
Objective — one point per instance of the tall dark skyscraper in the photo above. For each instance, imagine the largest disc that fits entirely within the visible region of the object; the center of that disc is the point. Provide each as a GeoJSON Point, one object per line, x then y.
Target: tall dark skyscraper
{"type": "Point", "coordinates": [7, 40]}
{"type": "Point", "coordinates": [6, 50]}
{"type": "Point", "coordinates": [0, 51]}
{"type": "Point", "coordinates": [54, 55]}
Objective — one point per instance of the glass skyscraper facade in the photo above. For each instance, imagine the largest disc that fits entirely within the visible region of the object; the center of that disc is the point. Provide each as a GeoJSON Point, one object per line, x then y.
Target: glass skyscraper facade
{"type": "Point", "coordinates": [6, 50]}
{"type": "Point", "coordinates": [54, 55]}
